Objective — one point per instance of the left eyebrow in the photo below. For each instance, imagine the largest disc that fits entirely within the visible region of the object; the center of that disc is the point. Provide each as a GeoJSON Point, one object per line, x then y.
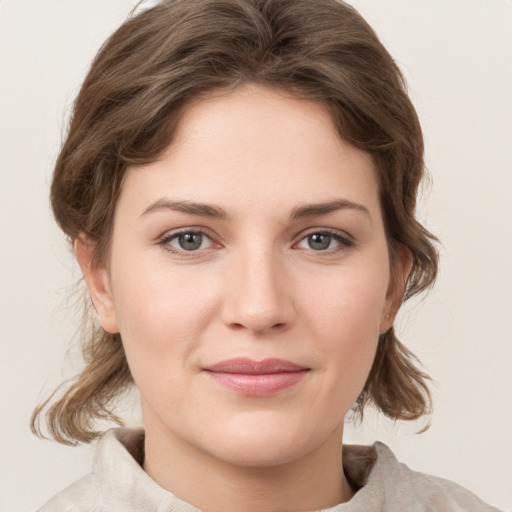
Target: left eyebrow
{"type": "Point", "coordinates": [314, 209]}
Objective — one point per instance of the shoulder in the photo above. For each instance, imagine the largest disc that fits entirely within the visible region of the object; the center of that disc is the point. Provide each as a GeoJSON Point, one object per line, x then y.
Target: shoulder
{"type": "Point", "coordinates": [86, 494]}
{"type": "Point", "coordinates": [117, 480]}
{"type": "Point", "coordinates": [78, 497]}
{"type": "Point", "coordinates": [412, 490]}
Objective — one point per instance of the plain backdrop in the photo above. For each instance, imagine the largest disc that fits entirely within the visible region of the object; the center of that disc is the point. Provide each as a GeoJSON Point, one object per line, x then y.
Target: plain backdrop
{"type": "Point", "coordinates": [457, 57]}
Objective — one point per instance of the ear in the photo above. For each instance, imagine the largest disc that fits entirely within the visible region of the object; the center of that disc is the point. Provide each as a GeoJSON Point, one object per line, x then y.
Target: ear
{"type": "Point", "coordinates": [98, 283]}
{"type": "Point", "coordinates": [400, 271]}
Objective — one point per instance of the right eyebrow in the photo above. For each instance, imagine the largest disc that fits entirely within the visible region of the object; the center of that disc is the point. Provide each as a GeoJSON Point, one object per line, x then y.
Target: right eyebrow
{"type": "Point", "coordinates": [192, 208]}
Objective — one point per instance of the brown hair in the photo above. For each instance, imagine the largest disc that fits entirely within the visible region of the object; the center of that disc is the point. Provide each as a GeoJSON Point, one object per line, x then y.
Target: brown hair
{"type": "Point", "coordinates": [129, 107]}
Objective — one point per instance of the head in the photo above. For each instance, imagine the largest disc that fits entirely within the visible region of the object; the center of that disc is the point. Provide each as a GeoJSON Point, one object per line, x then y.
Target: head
{"type": "Point", "coordinates": [143, 85]}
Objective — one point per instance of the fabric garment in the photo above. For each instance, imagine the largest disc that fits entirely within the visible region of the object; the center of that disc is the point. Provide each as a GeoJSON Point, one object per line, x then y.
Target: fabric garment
{"type": "Point", "coordinates": [118, 483]}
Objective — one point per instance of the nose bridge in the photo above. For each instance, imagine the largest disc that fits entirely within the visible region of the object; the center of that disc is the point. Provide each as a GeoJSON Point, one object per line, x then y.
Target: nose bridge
{"type": "Point", "coordinates": [258, 298]}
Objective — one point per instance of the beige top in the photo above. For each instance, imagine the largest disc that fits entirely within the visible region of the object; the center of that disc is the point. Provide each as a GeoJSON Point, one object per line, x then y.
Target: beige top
{"type": "Point", "coordinates": [118, 483]}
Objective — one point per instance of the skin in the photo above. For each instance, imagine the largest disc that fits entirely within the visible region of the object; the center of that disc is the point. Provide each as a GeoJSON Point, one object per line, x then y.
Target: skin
{"type": "Point", "coordinates": [258, 286]}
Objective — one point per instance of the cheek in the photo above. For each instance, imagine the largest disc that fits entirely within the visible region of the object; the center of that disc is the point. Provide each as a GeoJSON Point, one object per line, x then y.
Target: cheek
{"type": "Point", "coordinates": [347, 318]}
{"type": "Point", "coordinates": [161, 316]}
{"type": "Point", "coordinates": [351, 304]}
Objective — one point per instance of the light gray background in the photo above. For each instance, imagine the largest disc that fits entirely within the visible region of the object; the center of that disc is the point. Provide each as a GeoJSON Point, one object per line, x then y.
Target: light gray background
{"type": "Point", "coordinates": [457, 56]}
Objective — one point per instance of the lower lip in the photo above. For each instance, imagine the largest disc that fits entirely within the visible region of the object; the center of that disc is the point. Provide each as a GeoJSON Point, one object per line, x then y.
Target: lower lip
{"type": "Point", "coordinates": [258, 385]}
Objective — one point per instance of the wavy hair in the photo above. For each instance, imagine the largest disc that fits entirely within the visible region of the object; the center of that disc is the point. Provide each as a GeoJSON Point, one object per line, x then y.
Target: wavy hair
{"type": "Point", "coordinates": [130, 105]}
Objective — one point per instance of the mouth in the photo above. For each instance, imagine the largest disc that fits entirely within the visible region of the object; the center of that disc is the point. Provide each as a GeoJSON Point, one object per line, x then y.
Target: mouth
{"type": "Point", "coordinates": [256, 378]}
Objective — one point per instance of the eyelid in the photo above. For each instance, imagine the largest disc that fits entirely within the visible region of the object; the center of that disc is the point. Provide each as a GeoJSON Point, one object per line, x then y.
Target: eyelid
{"type": "Point", "coordinates": [345, 239]}
{"type": "Point", "coordinates": [172, 234]}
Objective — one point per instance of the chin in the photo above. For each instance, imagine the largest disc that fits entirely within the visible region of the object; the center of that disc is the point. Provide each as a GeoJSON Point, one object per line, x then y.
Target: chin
{"type": "Point", "coordinates": [251, 453]}
{"type": "Point", "coordinates": [265, 444]}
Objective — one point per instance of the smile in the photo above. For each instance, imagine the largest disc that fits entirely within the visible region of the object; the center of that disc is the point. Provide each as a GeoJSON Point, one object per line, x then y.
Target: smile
{"type": "Point", "coordinates": [256, 378]}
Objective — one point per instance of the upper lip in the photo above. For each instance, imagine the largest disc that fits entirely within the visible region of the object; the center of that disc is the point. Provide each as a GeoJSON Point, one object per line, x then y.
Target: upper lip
{"type": "Point", "coordinates": [250, 367]}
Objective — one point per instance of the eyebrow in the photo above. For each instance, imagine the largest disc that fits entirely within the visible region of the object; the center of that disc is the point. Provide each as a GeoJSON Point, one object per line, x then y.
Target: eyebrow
{"type": "Point", "coordinates": [314, 209]}
{"type": "Point", "coordinates": [203, 210]}
{"type": "Point", "coordinates": [206, 210]}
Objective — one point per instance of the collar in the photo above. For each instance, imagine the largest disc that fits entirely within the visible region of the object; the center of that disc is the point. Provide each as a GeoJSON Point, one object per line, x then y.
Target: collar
{"type": "Point", "coordinates": [123, 484]}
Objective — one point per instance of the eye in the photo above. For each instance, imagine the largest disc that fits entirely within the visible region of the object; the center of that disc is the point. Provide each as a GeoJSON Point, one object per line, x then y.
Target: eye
{"type": "Point", "coordinates": [324, 241]}
{"type": "Point", "coordinates": [319, 241]}
{"type": "Point", "coordinates": [187, 241]}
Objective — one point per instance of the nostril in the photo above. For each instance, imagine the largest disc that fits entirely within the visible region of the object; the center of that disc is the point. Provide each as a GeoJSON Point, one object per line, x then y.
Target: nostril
{"type": "Point", "coordinates": [275, 327]}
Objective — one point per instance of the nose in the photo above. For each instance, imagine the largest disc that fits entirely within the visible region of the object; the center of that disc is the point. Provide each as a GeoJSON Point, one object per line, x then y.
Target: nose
{"type": "Point", "coordinates": [259, 296]}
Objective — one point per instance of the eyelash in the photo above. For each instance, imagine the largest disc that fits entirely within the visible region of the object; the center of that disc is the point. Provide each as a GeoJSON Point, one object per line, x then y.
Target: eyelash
{"type": "Point", "coordinates": [345, 241]}
{"type": "Point", "coordinates": [169, 237]}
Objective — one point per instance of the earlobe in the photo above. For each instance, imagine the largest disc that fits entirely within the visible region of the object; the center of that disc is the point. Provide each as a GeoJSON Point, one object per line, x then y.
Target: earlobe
{"type": "Point", "coordinates": [98, 283]}
{"type": "Point", "coordinates": [398, 281]}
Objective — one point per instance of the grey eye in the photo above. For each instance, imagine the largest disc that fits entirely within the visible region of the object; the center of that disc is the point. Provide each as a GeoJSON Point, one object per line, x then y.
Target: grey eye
{"type": "Point", "coordinates": [319, 241]}
{"type": "Point", "coordinates": [187, 242]}
{"type": "Point", "coordinates": [190, 241]}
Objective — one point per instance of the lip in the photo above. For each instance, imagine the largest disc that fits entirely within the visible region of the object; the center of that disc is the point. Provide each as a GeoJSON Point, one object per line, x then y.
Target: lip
{"type": "Point", "coordinates": [256, 378]}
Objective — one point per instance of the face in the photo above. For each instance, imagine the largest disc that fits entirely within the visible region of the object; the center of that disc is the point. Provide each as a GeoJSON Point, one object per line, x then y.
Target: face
{"type": "Point", "coordinates": [249, 278]}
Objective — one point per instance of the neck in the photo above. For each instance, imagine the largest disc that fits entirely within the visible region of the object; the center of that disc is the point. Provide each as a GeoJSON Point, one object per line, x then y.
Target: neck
{"type": "Point", "coordinates": [314, 481]}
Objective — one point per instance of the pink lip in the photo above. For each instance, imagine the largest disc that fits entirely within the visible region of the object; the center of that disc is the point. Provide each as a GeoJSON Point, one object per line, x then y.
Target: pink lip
{"type": "Point", "coordinates": [256, 378]}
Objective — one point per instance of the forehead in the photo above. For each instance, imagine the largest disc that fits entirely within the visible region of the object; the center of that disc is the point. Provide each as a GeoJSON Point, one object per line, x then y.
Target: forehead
{"type": "Point", "coordinates": [254, 145]}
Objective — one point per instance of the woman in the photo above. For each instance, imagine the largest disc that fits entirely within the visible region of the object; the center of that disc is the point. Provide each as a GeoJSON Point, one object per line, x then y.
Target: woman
{"type": "Point", "coordinates": [239, 183]}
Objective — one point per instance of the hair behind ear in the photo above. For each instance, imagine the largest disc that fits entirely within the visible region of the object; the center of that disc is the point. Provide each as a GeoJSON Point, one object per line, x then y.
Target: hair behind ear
{"type": "Point", "coordinates": [396, 385]}
{"type": "Point", "coordinates": [92, 395]}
